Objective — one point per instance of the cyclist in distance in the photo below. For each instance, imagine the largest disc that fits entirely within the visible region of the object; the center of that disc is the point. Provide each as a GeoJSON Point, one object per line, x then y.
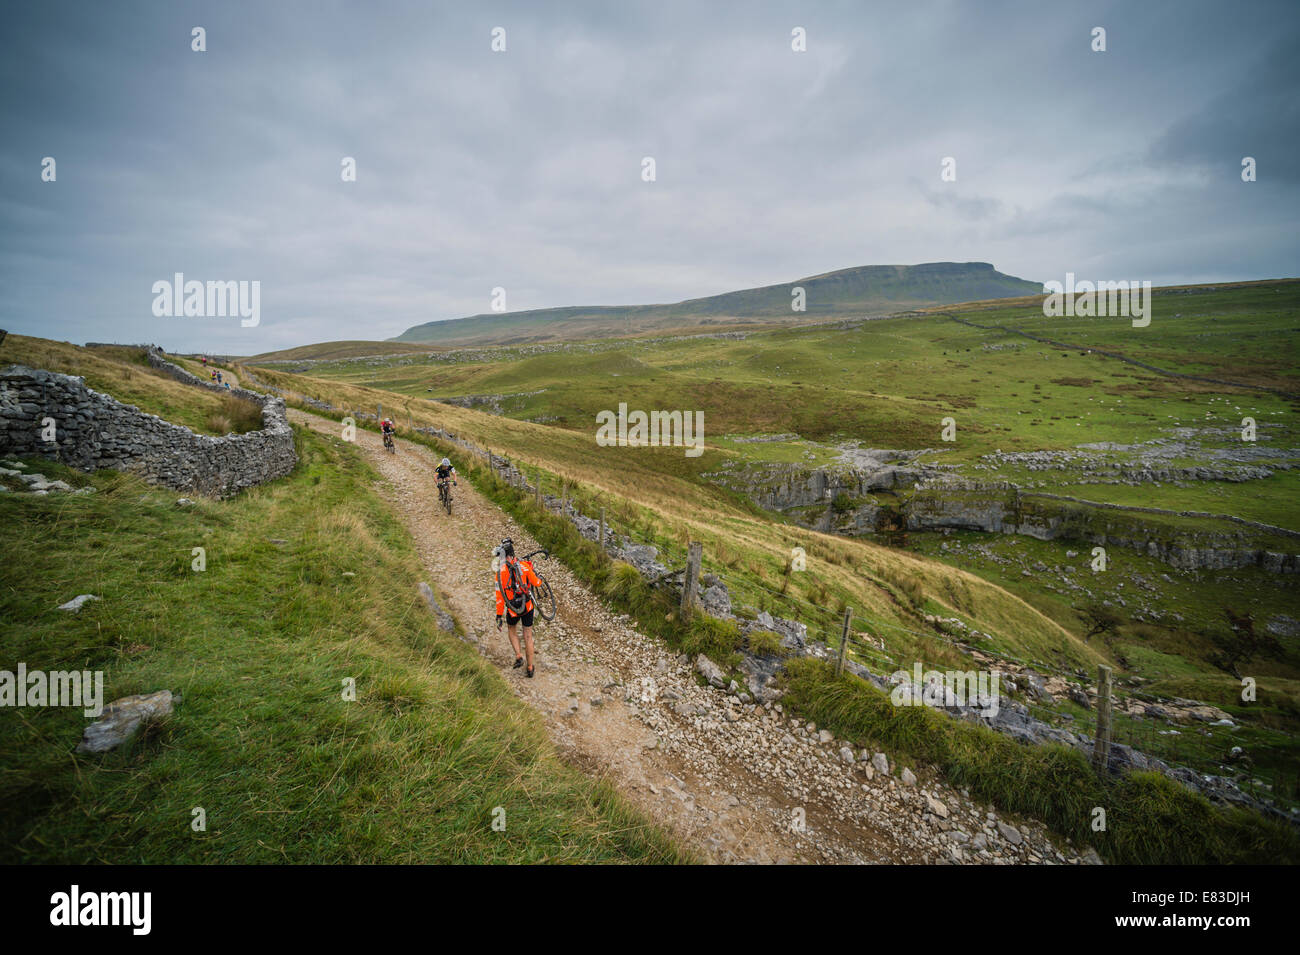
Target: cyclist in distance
{"type": "Point", "coordinates": [445, 471]}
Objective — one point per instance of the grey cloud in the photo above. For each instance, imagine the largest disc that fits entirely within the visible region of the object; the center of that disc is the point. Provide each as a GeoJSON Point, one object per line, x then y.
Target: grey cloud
{"type": "Point", "coordinates": [522, 169]}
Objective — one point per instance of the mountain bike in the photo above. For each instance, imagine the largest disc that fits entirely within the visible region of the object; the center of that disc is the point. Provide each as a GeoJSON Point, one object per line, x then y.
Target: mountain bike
{"type": "Point", "coordinates": [388, 443]}
{"type": "Point", "coordinates": [543, 597]}
{"type": "Point", "coordinates": [444, 495]}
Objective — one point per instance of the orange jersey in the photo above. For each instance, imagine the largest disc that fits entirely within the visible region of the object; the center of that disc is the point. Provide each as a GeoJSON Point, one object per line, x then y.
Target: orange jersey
{"type": "Point", "coordinates": [504, 591]}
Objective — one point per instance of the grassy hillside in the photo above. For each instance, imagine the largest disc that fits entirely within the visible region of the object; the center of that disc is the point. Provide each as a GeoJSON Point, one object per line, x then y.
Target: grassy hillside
{"type": "Point", "coordinates": [888, 384]}
{"type": "Point", "coordinates": [656, 493]}
{"type": "Point", "coordinates": [866, 290]}
{"type": "Point", "coordinates": [1150, 818]}
{"type": "Point", "coordinates": [123, 372]}
{"type": "Point", "coordinates": [309, 580]}
{"type": "Point", "coordinates": [434, 738]}
{"type": "Point", "coordinates": [327, 351]}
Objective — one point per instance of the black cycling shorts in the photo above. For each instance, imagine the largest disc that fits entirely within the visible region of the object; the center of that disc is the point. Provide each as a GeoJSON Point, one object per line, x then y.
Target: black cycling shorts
{"type": "Point", "coordinates": [527, 618]}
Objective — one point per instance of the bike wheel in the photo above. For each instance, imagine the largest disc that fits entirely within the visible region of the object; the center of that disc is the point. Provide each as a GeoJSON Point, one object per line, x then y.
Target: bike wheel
{"type": "Point", "coordinates": [544, 599]}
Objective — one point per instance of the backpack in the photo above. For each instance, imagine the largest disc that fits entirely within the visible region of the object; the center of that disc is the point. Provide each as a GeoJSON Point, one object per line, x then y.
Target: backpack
{"type": "Point", "coordinates": [518, 587]}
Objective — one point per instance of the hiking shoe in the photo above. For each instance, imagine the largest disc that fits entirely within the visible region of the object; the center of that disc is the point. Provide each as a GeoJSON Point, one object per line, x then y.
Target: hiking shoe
{"type": "Point", "coordinates": [519, 661]}
{"type": "Point", "coordinates": [529, 671]}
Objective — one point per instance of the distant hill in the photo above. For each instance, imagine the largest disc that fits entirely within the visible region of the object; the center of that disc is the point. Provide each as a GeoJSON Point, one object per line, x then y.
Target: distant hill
{"type": "Point", "coordinates": [333, 351]}
{"type": "Point", "coordinates": [868, 290]}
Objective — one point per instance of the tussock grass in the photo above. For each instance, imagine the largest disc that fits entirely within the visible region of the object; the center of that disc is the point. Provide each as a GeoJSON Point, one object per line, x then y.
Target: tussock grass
{"type": "Point", "coordinates": [235, 416]}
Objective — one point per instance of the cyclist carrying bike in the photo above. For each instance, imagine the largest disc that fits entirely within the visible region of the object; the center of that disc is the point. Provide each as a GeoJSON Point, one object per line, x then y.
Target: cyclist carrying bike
{"type": "Point", "coordinates": [515, 581]}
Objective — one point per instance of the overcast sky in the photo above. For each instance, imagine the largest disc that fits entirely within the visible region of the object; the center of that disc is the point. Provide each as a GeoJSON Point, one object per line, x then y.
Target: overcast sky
{"type": "Point", "coordinates": [522, 169]}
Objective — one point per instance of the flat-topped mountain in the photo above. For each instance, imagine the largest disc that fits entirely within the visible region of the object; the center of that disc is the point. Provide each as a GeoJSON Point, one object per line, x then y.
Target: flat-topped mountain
{"type": "Point", "coordinates": [867, 290]}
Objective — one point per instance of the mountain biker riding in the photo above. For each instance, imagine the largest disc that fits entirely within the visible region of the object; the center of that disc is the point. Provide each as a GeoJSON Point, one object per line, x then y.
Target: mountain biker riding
{"type": "Point", "coordinates": [515, 581]}
{"type": "Point", "coordinates": [444, 470]}
{"type": "Point", "coordinates": [388, 429]}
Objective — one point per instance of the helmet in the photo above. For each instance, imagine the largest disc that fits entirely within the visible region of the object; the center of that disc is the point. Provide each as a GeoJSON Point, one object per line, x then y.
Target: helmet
{"type": "Point", "coordinates": [508, 548]}
{"type": "Point", "coordinates": [446, 463]}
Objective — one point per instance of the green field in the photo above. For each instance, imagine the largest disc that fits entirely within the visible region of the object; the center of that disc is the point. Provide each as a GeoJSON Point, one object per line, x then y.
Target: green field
{"type": "Point", "coordinates": [890, 383]}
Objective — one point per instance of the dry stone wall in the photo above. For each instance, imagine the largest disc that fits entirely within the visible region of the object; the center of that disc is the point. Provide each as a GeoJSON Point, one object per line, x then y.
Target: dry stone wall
{"type": "Point", "coordinates": [93, 430]}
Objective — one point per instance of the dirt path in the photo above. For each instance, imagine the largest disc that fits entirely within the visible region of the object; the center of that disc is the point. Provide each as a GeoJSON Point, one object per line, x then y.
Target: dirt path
{"type": "Point", "coordinates": [739, 783]}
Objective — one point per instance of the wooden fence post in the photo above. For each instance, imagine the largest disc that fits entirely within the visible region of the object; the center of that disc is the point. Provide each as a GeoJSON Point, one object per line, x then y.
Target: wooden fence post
{"type": "Point", "coordinates": [694, 556]}
{"type": "Point", "coordinates": [844, 641]}
{"type": "Point", "coordinates": [538, 489]}
{"type": "Point", "coordinates": [602, 529]}
{"type": "Point", "coordinates": [1101, 745]}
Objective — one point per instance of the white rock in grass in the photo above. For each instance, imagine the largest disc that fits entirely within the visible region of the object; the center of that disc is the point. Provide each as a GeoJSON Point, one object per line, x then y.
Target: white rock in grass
{"type": "Point", "coordinates": [122, 718]}
{"type": "Point", "coordinates": [76, 603]}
